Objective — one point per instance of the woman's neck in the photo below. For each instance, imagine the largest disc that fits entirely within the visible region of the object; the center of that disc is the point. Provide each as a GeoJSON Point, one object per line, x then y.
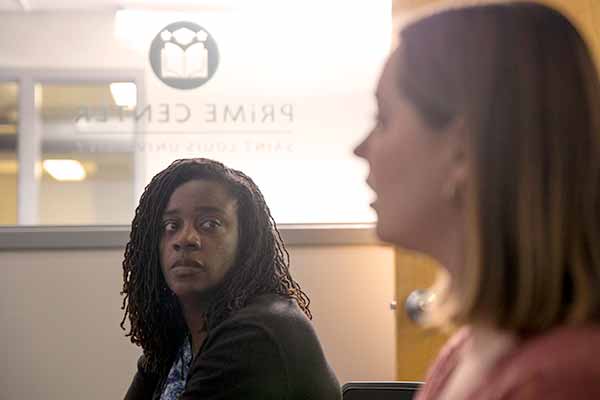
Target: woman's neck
{"type": "Point", "coordinates": [488, 343]}
{"type": "Point", "coordinates": [195, 319]}
{"type": "Point", "coordinates": [480, 354]}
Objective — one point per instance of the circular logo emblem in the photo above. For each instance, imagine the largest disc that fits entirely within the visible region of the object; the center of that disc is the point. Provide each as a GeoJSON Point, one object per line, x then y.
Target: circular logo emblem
{"type": "Point", "coordinates": [184, 55]}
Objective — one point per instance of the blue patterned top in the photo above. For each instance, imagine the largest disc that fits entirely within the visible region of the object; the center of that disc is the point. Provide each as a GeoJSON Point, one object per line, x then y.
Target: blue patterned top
{"type": "Point", "coordinates": [179, 372]}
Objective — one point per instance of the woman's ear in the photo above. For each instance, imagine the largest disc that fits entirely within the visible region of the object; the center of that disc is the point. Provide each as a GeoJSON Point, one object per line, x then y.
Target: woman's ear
{"type": "Point", "coordinates": [457, 158]}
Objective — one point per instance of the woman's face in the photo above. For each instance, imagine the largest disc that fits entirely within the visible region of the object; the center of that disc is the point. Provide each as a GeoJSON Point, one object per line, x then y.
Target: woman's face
{"type": "Point", "coordinates": [199, 237]}
{"type": "Point", "coordinates": [409, 164]}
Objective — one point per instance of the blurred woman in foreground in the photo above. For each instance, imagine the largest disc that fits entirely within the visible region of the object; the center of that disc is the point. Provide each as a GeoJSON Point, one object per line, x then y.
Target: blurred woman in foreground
{"type": "Point", "coordinates": [486, 156]}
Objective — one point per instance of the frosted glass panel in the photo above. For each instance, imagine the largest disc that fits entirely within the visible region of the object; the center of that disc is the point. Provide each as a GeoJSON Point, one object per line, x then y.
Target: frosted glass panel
{"type": "Point", "coordinates": [87, 157]}
{"type": "Point", "coordinates": [8, 152]}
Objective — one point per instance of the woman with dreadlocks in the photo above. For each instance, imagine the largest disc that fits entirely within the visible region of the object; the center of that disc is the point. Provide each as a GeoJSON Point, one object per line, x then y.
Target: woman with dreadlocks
{"type": "Point", "coordinates": [209, 295]}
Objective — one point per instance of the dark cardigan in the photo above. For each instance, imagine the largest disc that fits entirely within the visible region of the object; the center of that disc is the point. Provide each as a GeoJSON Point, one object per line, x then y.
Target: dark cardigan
{"type": "Point", "coordinates": [267, 350]}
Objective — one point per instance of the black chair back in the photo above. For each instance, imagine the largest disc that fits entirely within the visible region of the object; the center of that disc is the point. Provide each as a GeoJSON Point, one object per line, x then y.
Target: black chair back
{"type": "Point", "coordinates": [380, 390]}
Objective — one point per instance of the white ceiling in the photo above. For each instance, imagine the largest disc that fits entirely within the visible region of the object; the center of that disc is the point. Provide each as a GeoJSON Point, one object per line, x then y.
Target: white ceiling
{"type": "Point", "coordinates": [71, 4]}
{"type": "Point", "coordinates": [45, 5]}
{"type": "Point", "coordinates": [9, 5]}
{"type": "Point", "coordinates": [97, 5]}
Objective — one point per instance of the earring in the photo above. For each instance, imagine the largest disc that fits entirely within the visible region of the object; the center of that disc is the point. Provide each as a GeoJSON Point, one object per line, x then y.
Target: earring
{"type": "Point", "coordinates": [450, 190]}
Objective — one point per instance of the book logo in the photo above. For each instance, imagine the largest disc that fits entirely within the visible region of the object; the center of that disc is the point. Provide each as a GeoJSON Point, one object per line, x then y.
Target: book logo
{"type": "Point", "coordinates": [184, 55]}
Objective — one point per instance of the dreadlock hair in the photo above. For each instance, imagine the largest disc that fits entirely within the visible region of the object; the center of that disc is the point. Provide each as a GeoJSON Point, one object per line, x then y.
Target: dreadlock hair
{"type": "Point", "coordinates": [261, 266]}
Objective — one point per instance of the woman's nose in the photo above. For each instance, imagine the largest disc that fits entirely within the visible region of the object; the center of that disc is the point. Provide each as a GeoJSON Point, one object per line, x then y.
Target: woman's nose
{"type": "Point", "coordinates": [188, 240]}
{"type": "Point", "coordinates": [360, 149]}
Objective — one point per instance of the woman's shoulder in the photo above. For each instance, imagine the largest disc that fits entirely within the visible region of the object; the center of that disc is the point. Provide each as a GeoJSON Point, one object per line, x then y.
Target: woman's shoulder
{"type": "Point", "coordinates": [262, 326]}
{"type": "Point", "coordinates": [280, 321]}
{"type": "Point", "coordinates": [444, 364]}
{"type": "Point", "coordinates": [277, 319]}
{"type": "Point", "coordinates": [565, 350]}
{"type": "Point", "coordinates": [559, 364]}
{"type": "Point", "coordinates": [275, 325]}
{"type": "Point", "coordinates": [271, 311]}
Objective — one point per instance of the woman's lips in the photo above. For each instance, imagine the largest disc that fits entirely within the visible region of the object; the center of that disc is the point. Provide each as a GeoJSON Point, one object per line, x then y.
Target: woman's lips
{"type": "Point", "coordinates": [369, 183]}
{"type": "Point", "coordinates": [187, 264]}
{"type": "Point", "coordinates": [183, 270]}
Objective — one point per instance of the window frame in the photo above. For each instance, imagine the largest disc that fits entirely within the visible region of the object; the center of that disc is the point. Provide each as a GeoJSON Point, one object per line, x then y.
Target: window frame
{"type": "Point", "coordinates": [29, 146]}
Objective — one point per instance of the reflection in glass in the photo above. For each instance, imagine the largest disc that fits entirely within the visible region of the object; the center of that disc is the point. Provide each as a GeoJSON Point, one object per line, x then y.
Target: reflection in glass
{"type": "Point", "coordinates": [8, 152]}
{"type": "Point", "coordinates": [87, 134]}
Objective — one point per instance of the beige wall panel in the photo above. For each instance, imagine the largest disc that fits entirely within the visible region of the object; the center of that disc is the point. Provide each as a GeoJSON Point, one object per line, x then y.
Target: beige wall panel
{"type": "Point", "coordinates": [60, 314]}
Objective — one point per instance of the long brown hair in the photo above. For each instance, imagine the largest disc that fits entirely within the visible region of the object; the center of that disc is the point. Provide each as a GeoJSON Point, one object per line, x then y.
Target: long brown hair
{"type": "Point", "coordinates": [524, 81]}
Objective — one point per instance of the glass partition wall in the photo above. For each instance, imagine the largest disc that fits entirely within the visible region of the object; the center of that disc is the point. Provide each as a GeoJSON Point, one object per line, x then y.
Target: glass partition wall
{"type": "Point", "coordinates": [67, 148]}
{"type": "Point", "coordinates": [86, 154]}
{"type": "Point", "coordinates": [88, 116]}
{"type": "Point", "coordinates": [9, 96]}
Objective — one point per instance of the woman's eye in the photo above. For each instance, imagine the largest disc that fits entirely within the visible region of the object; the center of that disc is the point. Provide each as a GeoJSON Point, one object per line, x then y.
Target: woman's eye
{"type": "Point", "coordinates": [169, 227]}
{"type": "Point", "coordinates": [210, 224]}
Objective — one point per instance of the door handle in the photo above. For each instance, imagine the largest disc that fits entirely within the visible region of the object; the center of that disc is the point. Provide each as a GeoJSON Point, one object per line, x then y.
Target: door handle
{"type": "Point", "coordinates": [416, 304]}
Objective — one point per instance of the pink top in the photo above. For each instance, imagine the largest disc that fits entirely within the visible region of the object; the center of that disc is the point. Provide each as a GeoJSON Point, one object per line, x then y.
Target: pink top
{"type": "Point", "coordinates": [563, 364]}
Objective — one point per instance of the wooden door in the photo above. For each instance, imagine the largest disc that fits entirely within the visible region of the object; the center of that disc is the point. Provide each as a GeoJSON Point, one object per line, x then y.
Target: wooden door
{"type": "Point", "coordinates": [415, 347]}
